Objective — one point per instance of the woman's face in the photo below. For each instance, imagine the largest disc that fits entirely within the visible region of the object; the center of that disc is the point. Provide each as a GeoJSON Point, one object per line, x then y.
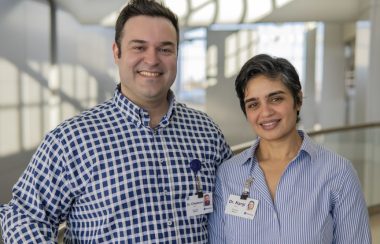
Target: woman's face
{"type": "Point", "coordinates": [270, 108]}
{"type": "Point", "coordinates": [251, 205]}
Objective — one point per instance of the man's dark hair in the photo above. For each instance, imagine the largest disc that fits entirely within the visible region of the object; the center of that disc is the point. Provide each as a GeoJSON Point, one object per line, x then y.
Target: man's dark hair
{"type": "Point", "coordinates": [143, 7]}
{"type": "Point", "coordinates": [274, 69]}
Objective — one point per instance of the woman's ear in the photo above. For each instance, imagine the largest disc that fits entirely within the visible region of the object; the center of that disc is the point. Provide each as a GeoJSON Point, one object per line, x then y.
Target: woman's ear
{"type": "Point", "coordinates": [300, 100]}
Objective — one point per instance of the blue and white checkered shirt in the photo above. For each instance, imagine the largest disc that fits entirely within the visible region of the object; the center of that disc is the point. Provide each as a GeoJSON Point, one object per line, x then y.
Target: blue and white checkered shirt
{"type": "Point", "coordinates": [318, 200]}
{"type": "Point", "coordinates": [114, 179]}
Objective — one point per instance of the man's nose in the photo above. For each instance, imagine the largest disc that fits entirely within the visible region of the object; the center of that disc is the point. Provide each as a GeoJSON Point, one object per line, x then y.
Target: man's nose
{"type": "Point", "coordinates": [151, 56]}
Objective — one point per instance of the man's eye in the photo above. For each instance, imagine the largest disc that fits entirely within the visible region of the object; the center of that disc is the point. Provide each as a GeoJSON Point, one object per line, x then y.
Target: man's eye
{"type": "Point", "coordinates": [138, 48]}
{"type": "Point", "coordinates": [166, 50]}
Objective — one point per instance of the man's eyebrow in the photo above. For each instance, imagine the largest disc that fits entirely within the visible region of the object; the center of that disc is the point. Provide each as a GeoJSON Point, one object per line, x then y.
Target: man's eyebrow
{"type": "Point", "coordinates": [136, 41]}
{"type": "Point", "coordinates": [164, 43]}
{"type": "Point", "coordinates": [168, 43]}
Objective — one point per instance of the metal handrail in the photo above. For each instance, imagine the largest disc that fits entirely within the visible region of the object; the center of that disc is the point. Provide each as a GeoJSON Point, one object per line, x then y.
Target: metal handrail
{"type": "Point", "coordinates": [373, 209]}
{"type": "Point", "coordinates": [343, 128]}
{"type": "Point", "coordinates": [242, 146]}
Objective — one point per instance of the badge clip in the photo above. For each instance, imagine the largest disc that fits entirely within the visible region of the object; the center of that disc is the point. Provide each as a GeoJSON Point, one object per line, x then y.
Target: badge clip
{"type": "Point", "coordinates": [247, 186]}
{"type": "Point", "coordinates": [195, 166]}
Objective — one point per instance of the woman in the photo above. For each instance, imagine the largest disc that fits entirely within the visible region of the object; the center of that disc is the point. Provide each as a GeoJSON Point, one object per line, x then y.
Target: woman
{"type": "Point", "coordinates": [303, 193]}
{"type": "Point", "coordinates": [251, 206]}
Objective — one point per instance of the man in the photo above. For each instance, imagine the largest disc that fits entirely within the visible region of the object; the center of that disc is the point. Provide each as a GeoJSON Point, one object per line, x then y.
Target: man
{"type": "Point", "coordinates": [120, 172]}
{"type": "Point", "coordinates": [207, 201]}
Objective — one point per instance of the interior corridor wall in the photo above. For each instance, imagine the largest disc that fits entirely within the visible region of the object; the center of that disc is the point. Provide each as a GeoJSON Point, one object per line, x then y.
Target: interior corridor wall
{"type": "Point", "coordinates": [330, 77]}
{"type": "Point", "coordinates": [31, 103]}
{"type": "Point", "coordinates": [222, 103]}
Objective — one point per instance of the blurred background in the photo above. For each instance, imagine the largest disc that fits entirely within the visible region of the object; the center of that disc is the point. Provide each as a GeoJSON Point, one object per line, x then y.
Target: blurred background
{"type": "Point", "coordinates": [56, 61]}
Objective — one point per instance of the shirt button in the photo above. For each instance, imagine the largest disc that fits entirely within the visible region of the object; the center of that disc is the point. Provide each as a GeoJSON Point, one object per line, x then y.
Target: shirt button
{"type": "Point", "coordinates": [170, 222]}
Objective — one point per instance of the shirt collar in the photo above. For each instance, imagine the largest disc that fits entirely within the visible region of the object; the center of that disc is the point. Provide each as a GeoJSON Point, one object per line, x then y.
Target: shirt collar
{"type": "Point", "coordinates": [137, 115]}
{"type": "Point", "coordinates": [307, 146]}
{"type": "Point", "coordinates": [248, 155]}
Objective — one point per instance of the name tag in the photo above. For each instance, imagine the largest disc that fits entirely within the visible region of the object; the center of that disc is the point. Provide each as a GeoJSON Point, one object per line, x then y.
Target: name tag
{"type": "Point", "coordinates": [197, 206]}
{"type": "Point", "coordinates": [241, 208]}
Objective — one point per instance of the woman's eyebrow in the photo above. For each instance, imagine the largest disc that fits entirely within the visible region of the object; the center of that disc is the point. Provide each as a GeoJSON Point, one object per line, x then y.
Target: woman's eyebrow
{"type": "Point", "coordinates": [267, 96]}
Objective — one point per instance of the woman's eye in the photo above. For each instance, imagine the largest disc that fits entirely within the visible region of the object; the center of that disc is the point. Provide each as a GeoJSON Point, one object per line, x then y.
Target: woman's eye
{"type": "Point", "coordinates": [252, 105]}
{"type": "Point", "coordinates": [276, 99]}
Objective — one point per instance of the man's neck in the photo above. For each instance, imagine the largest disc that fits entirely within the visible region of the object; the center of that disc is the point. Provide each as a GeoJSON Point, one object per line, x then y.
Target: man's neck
{"type": "Point", "coordinates": [156, 112]}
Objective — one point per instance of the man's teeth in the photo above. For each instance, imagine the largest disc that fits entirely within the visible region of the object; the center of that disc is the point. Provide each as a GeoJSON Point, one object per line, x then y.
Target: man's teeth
{"type": "Point", "coordinates": [149, 74]}
{"type": "Point", "coordinates": [269, 123]}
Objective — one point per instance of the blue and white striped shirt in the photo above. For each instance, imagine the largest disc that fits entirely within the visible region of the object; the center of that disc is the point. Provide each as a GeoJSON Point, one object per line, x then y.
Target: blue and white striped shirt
{"type": "Point", "coordinates": [318, 200]}
{"type": "Point", "coordinates": [114, 179]}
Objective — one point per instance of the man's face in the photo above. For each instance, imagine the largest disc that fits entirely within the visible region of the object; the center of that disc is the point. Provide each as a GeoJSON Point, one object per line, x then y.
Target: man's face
{"type": "Point", "coordinates": [148, 61]}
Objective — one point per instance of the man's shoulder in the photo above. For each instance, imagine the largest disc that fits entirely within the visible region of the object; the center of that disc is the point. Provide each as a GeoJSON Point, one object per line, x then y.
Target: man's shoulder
{"type": "Point", "coordinates": [87, 119]}
{"type": "Point", "coordinates": [192, 113]}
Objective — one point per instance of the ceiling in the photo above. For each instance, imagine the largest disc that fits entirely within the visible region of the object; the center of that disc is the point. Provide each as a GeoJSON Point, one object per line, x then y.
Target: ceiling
{"type": "Point", "coordinates": [194, 13]}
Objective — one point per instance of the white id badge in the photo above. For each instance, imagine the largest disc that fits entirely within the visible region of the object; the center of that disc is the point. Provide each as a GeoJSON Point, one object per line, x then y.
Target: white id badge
{"type": "Point", "coordinates": [241, 208]}
{"type": "Point", "coordinates": [196, 206]}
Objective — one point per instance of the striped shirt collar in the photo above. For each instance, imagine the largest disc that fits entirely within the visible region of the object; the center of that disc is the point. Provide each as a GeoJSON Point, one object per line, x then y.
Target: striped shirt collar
{"type": "Point", "coordinates": [140, 116]}
{"type": "Point", "coordinates": [307, 146]}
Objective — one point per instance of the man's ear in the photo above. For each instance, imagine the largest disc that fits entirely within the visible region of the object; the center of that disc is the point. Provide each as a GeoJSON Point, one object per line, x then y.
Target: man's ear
{"type": "Point", "coordinates": [116, 52]}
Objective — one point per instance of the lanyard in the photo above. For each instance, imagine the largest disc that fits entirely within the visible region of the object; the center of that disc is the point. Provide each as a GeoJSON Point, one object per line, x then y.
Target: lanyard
{"type": "Point", "coordinates": [247, 183]}
{"type": "Point", "coordinates": [195, 166]}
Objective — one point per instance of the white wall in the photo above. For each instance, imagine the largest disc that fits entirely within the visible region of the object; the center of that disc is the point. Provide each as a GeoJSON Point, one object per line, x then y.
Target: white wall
{"type": "Point", "coordinates": [31, 102]}
{"type": "Point", "coordinates": [222, 104]}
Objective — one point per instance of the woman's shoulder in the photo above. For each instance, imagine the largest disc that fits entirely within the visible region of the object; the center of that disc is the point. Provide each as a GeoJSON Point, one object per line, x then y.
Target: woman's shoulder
{"type": "Point", "coordinates": [324, 156]}
{"type": "Point", "coordinates": [236, 161]}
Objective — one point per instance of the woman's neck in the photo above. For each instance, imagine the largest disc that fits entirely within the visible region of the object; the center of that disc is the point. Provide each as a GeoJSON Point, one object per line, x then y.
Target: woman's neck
{"type": "Point", "coordinates": [279, 150]}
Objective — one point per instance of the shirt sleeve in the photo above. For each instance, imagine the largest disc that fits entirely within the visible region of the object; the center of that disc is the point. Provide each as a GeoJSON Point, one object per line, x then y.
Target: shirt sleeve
{"type": "Point", "coordinates": [216, 218]}
{"type": "Point", "coordinates": [225, 149]}
{"type": "Point", "coordinates": [350, 213]}
{"type": "Point", "coordinates": [40, 198]}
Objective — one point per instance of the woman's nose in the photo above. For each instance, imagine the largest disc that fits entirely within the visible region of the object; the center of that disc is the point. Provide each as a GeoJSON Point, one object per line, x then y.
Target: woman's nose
{"type": "Point", "coordinates": [266, 110]}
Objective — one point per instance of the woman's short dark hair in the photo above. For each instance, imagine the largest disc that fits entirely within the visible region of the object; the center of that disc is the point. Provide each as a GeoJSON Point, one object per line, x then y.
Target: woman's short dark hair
{"type": "Point", "coordinates": [273, 68]}
{"type": "Point", "coordinates": [143, 7]}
